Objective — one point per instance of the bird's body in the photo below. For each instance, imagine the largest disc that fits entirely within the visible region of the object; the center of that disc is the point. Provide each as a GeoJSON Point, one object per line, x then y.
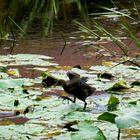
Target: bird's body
{"type": "Point", "coordinates": [77, 87]}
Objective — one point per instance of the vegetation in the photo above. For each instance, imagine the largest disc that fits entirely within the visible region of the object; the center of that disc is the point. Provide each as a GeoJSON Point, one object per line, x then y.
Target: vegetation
{"type": "Point", "coordinates": [26, 12]}
{"type": "Point", "coordinates": [30, 111]}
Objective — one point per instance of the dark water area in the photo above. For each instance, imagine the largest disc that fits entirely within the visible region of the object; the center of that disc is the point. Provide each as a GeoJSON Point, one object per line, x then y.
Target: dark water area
{"type": "Point", "coordinates": [12, 120]}
{"type": "Point", "coordinates": [53, 48]}
{"type": "Point", "coordinates": [73, 54]}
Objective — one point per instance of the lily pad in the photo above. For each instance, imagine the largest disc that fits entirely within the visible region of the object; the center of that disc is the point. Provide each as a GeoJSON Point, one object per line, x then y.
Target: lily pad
{"type": "Point", "coordinates": [86, 131]}
{"type": "Point", "coordinates": [105, 75]}
{"type": "Point", "coordinates": [118, 86]}
{"type": "Point", "coordinates": [14, 83]}
{"type": "Point", "coordinates": [128, 120]}
{"type": "Point", "coordinates": [113, 103]}
{"type": "Point", "coordinates": [3, 69]}
{"type": "Point", "coordinates": [107, 116]}
{"type": "Point", "coordinates": [3, 75]}
{"type": "Point", "coordinates": [27, 59]}
{"type": "Point", "coordinates": [135, 83]}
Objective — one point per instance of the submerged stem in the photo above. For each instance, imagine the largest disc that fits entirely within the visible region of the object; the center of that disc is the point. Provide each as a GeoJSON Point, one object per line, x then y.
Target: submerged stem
{"type": "Point", "coordinates": [119, 132]}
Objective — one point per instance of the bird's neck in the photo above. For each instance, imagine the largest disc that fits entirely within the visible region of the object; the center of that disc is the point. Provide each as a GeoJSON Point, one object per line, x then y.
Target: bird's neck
{"type": "Point", "coordinates": [61, 83]}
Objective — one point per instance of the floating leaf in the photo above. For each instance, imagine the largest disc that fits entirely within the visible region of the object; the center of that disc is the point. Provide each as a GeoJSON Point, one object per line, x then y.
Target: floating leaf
{"type": "Point", "coordinates": [118, 86]}
{"type": "Point", "coordinates": [135, 83]}
{"type": "Point", "coordinates": [106, 116]}
{"type": "Point", "coordinates": [40, 69]}
{"type": "Point", "coordinates": [6, 122]}
{"type": "Point", "coordinates": [87, 131]}
{"type": "Point", "coordinates": [99, 68]}
{"type": "Point", "coordinates": [105, 75]}
{"type": "Point", "coordinates": [78, 116]}
{"type": "Point", "coordinates": [13, 83]}
{"type": "Point", "coordinates": [3, 75]}
{"type": "Point", "coordinates": [27, 59]}
{"type": "Point", "coordinates": [113, 103]}
{"type": "Point", "coordinates": [108, 63]}
{"type": "Point", "coordinates": [13, 72]}
{"type": "Point", "coordinates": [128, 120]}
{"type": "Point", "coordinates": [134, 102]}
{"type": "Point", "coordinates": [3, 69]}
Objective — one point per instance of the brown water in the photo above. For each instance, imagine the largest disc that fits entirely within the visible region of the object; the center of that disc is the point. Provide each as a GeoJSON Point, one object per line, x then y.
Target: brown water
{"type": "Point", "coordinates": [53, 47]}
{"type": "Point", "coordinates": [86, 56]}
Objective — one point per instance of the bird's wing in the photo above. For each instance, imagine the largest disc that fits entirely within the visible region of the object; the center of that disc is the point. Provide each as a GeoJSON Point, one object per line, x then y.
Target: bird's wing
{"type": "Point", "coordinates": [72, 75]}
{"type": "Point", "coordinates": [83, 80]}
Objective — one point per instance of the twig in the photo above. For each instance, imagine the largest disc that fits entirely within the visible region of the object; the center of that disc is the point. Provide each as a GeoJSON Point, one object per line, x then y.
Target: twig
{"type": "Point", "coordinates": [12, 32]}
{"type": "Point", "coordinates": [14, 38]}
{"type": "Point", "coordinates": [127, 61]}
{"type": "Point", "coordinates": [65, 43]}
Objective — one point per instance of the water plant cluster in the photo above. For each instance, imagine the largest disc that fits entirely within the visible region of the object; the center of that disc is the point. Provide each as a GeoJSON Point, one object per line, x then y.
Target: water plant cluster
{"type": "Point", "coordinates": [30, 111]}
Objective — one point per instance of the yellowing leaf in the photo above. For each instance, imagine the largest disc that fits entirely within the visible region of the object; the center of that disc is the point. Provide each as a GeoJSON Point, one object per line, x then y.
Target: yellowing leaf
{"type": "Point", "coordinates": [108, 63]}
{"type": "Point", "coordinates": [6, 122]}
{"type": "Point", "coordinates": [13, 72]}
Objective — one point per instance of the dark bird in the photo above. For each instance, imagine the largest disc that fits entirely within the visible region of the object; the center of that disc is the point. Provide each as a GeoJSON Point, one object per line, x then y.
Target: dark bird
{"type": "Point", "coordinates": [77, 87]}
{"type": "Point", "coordinates": [73, 75]}
{"type": "Point", "coordinates": [49, 81]}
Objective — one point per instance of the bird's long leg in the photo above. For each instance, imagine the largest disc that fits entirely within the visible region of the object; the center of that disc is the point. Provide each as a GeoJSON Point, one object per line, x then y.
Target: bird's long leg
{"type": "Point", "coordinates": [74, 99]}
{"type": "Point", "coordinates": [85, 104]}
{"type": "Point", "coordinates": [67, 98]}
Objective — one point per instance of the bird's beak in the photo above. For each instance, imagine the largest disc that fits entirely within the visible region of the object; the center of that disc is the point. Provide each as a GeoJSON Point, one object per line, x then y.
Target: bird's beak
{"type": "Point", "coordinates": [56, 84]}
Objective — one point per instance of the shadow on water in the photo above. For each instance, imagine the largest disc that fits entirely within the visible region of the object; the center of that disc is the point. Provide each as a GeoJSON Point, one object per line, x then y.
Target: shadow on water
{"type": "Point", "coordinates": [10, 118]}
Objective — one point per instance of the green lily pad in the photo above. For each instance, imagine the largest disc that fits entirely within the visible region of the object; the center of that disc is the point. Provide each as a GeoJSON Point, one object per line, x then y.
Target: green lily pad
{"type": "Point", "coordinates": [106, 116]}
{"type": "Point", "coordinates": [118, 86]}
{"type": "Point", "coordinates": [113, 103]}
{"type": "Point", "coordinates": [14, 83]}
{"type": "Point", "coordinates": [135, 83]}
{"type": "Point", "coordinates": [21, 131]}
{"type": "Point", "coordinates": [3, 75]}
{"type": "Point", "coordinates": [27, 59]}
{"type": "Point", "coordinates": [87, 131]}
{"type": "Point", "coordinates": [128, 120]}
{"type": "Point", "coordinates": [134, 102]}
{"type": "Point", "coordinates": [3, 69]}
{"type": "Point", "coordinates": [105, 75]}
{"type": "Point", "coordinates": [78, 116]}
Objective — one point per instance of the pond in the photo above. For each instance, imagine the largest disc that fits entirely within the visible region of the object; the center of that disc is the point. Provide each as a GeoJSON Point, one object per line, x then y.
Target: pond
{"type": "Point", "coordinates": [75, 53]}
{"type": "Point", "coordinates": [30, 111]}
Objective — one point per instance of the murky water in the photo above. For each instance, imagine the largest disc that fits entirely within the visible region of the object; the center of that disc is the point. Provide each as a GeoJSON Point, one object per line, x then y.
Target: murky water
{"type": "Point", "coordinates": [74, 52]}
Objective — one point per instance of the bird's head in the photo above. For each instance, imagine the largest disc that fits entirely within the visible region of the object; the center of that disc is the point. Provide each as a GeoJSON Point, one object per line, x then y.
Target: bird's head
{"type": "Point", "coordinates": [60, 83]}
